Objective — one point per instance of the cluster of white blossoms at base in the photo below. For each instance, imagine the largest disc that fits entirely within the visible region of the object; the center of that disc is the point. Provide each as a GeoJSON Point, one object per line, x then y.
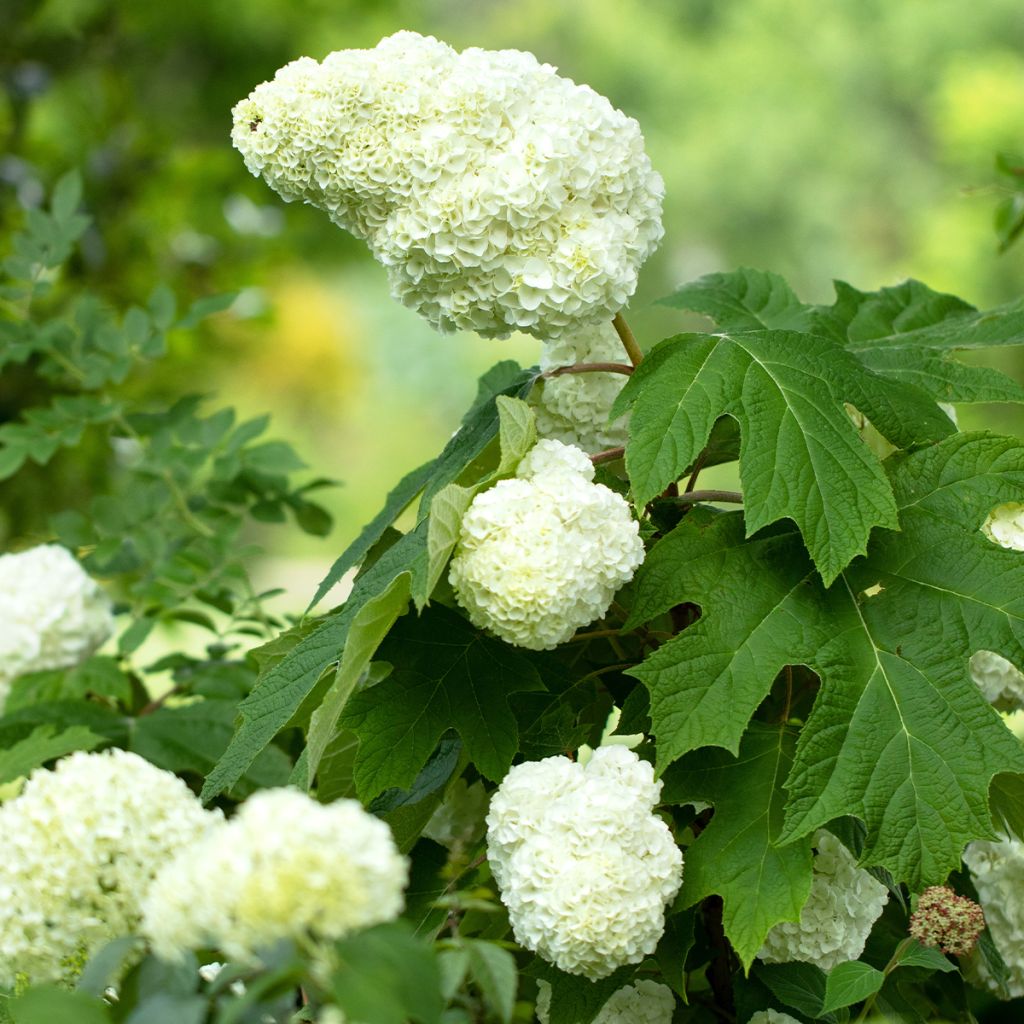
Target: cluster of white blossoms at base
{"type": "Point", "coordinates": [643, 1002]}
{"type": "Point", "coordinates": [285, 866]}
{"type": "Point", "coordinates": [1000, 681]}
{"type": "Point", "coordinates": [52, 614]}
{"type": "Point", "coordinates": [574, 407]}
{"type": "Point", "coordinates": [543, 554]}
{"type": "Point", "coordinates": [845, 901]}
{"type": "Point", "coordinates": [997, 870]}
{"type": "Point", "coordinates": [583, 864]}
{"type": "Point", "coordinates": [82, 844]}
{"type": "Point", "coordinates": [498, 195]}
{"type": "Point", "coordinates": [1005, 526]}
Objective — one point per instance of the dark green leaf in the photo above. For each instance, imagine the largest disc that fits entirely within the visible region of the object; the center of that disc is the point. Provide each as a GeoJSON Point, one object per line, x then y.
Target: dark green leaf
{"type": "Point", "coordinates": [849, 983]}
{"type": "Point", "coordinates": [446, 675]}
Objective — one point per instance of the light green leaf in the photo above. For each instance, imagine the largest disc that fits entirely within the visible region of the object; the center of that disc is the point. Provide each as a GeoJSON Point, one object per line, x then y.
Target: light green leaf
{"type": "Point", "coordinates": [286, 683]}
{"type": "Point", "coordinates": [443, 531]}
{"type": "Point", "coordinates": [494, 971]}
{"type": "Point", "coordinates": [368, 629]}
{"type": "Point", "coordinates": [849, 983]}
{"type": "Point", "coordinates": [899, 736]}
{"type": "Point", "coordinates": [737, 856]}
{"type": "Point", "coordinates": [1006, 798]}
{"type": "Point", "coordinates": [49, 1004]}
{"type": "Point", "coordinates": [44, 744]}
{"type": "Point", "coordinates": [446, 675]}
{"type": "Point", "coordinates": [517, 432]}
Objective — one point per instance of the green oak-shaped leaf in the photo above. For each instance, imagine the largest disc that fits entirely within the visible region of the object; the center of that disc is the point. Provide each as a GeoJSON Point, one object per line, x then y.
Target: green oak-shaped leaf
{"type": "Point", "coordinates": [899, 735]}
{"type": "Point", "coordinates": [737, 856]}
{"type": "Point", "coordinates": [801, 457]}
{"type": "Point", "coordinates": [446, 675]}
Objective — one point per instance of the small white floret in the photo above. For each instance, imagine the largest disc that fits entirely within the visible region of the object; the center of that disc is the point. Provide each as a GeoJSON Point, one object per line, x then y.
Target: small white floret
{"type": "Point", "coordinates": [1005, 526]}
{"type": "Point", "coordinates": [1000, 681]}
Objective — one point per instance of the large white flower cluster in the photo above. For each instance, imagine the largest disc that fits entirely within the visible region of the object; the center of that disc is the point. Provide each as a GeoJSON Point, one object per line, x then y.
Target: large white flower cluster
{"type": "Point", "coordinates": [498, 195]}
{"type": "Point", "coordinates": [543, 554]}
{"type": "Point", "coordinates": [997, 870]}
{"type": "Point", "coordinates": [283, 867]}
{"type": "Point", "coordinates": [52, 614]}
{"type": "Point", "coordinates": [81, 846]}
{"type": "Point", "coordinates": [643, 1002]}
{"type": "Point", "coordinates": [583, 864]}
{"type": "Point", "coordinates": [844, 903]}
{"type": "Point", "coordinates": [574, 407]}
{"type": "Point", "coordinates": [1005, 526]}
{"type": "Point", "coordinates": [1000, 681]}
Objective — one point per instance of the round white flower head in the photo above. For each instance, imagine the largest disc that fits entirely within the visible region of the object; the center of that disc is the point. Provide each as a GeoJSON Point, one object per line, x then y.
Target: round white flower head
{"type": "Point", "coordinates": [643, 1002]}
{"type": "Point", "coordinates": [1000, 681]}
{"type": "Point", "coordinates": [574, 407]}
{"type": "Point", "coordinates": [583, 864]}
{"type": "Point", "coordinates": [498, 195]}
{"type": "Point", "coordinates": [284, 866]}
{"type": "Point", "coordinates": [997, 870]}
{"type": "Point", "coordinates": [52, 614]}
{"type": "Point", "coordinates": [844, 903]}
{"type": "Point", "coordinates": [1005, 526]}
{"type": "Point", "coordinates": [81, 845]}
{"type": "Point", "coordinates": [543, 554]}
{"type": "Point", "coordinates": [770, 1016]}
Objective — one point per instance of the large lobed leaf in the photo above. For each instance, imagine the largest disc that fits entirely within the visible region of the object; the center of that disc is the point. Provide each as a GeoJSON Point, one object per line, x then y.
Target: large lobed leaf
{"type": "Point", "coordinates": [899, 736]}
{"type": "Point", "coordinates": [785, 370]}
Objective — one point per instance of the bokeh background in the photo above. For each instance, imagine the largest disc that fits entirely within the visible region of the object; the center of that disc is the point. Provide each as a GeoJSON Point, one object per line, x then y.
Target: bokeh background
{"type": "Point", "coordinates": [850, 140]}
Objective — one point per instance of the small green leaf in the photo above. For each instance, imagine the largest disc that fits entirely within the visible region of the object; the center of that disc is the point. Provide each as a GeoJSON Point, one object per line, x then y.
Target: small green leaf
{"type": "Point", "coordinates": [916, 955]}
{"type": "Point", "coordinates": [849, 983]}
{"type": "Point", "coordinates": [44, 744]}
{"type": "Point", "coordinates": [443, 532]}
{"type": "Point", "coordinates": [368, 629]}
{"type": "Point", "coordinates": [67, 194]}
{"type": "Point", "coordinates": [517, 432]}
{"type": "Point", "coordinates": [494, 971]}
{"type": "Point", "coordinates": [49, 1004]}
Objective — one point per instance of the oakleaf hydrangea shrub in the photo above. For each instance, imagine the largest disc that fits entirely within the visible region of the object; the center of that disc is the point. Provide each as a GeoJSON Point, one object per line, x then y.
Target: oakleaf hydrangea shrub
{"type": "Point", "coordinates": [589, 738]}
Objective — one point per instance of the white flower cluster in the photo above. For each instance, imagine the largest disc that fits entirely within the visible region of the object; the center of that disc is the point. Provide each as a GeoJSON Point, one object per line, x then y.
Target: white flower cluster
{"type": "Point", "coordinates": [997, 870]}
{"type": "Point", "coordinates": [52, 615]}
{"type": "Point", "coordinates": [844, 903]}
{"type": "Point", "coordinates": [1005, 526]}
{"type": "Point", "coordinates": [543, 554]}
{"type": "Point", "coordinates": [284, 866]}
{"type": "Point", "coordinates": [498, 195]}
{"type": "Point", "coordinates": [1000, 681]}
{"type": "Point", "coordinates": [770, 1016]}
{"type": "Point", "coordinates": [81, 845]}
{"type": "Point", "coordinates": [643, 1002]}
{"type": "Point", "coordinates": [583, 864]}
{"type": "Point", "coordinates": [574, 407]}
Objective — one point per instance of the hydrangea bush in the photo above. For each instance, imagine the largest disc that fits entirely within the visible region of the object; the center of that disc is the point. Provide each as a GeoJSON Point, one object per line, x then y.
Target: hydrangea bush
{"type": "Point", "coordinates": [587, 740]}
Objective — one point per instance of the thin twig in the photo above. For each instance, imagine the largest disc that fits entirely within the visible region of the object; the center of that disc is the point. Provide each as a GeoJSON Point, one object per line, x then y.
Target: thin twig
{"type": "Point", "coordinates": [628, 340]}
{"type": "Point", "coordinates": [589, 368]}
{"type": "Point", "coordinates": [697, 467]}
{"type": "Point", "coordinates": [690, 497]}
{"type": "Point", "coordinates": [610, 455]}
{"type": "Point", "coordinates": [594, 634]}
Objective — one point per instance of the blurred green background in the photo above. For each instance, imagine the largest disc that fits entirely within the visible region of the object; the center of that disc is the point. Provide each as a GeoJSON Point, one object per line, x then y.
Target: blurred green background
{"type": "Point", "coordinates": [847, 140]}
